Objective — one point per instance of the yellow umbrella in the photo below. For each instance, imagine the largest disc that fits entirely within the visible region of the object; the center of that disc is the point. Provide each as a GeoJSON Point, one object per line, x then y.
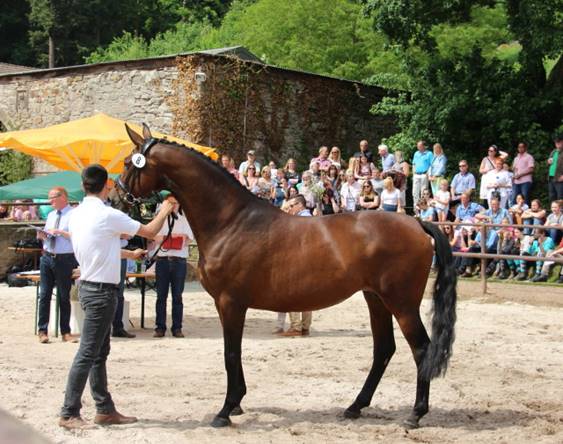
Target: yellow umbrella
{"type": "Point", "coordinates": [76, 144]}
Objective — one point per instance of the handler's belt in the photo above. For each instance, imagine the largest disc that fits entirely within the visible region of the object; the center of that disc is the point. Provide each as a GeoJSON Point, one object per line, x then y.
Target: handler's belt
{"type": "Point", "coordinates": [170, 258]}
{"type": "Point", "coordinates": [100, 285]}
{"type": "Point", "coordinates": [47, 253]}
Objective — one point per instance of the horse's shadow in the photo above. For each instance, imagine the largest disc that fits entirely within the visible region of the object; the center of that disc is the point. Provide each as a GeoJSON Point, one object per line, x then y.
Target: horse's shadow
{"type": "Point", "coordinates": [472, 419]}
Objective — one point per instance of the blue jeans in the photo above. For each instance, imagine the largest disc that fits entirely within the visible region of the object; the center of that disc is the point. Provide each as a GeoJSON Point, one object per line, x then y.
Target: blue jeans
{"type": "Point", "coordinates": [170, 273]}
{"type": "Point", "coordinates": [55, 271]}
{"type": "Point", "coordinates": [388, 207]}
{"type": "Point", "coordinates": [523, 189]}
{"type": "Point", "coordinates": [118, 318]}
{"type": "Point", "coordinates": [90, 360]}
{"type": "Point", "coordinates": [531, 221]}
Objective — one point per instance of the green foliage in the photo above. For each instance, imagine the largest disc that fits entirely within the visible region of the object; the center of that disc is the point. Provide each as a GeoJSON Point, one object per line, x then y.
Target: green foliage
{"type": "Point", "coordinates": [14, 167]}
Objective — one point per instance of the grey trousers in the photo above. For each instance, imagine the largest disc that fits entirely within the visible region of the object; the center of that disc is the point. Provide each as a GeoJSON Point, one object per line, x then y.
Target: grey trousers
{"type": "Point", "coordinates": [98, 302]}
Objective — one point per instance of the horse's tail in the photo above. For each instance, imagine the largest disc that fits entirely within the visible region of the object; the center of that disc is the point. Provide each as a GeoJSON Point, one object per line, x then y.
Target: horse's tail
{"type": "Point", "coordinates": [439, 351]}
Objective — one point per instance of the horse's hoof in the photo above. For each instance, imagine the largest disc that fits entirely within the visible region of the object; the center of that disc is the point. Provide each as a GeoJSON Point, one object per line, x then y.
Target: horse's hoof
{"type": "Point", "coordinates": [237, 411]}
{"type": "Point", "coordinates": [352, 414]}
{"type": "Point", "coordinates": [219, 421]}
{"type": "Point", "coordinates": [411, 423]}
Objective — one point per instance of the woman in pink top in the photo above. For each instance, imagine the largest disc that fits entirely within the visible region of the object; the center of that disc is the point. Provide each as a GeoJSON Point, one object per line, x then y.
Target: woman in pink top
{"type": "Point", "coordinates": [523, 169]}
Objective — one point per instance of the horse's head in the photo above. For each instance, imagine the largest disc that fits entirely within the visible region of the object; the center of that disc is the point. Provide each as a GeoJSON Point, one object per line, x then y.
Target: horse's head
{"type": "Point", "coordinates": [140, 176]}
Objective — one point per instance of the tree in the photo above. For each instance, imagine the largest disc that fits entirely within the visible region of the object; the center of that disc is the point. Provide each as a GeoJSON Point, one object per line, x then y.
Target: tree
{"type": "Point", "coordinates": [14, 167]}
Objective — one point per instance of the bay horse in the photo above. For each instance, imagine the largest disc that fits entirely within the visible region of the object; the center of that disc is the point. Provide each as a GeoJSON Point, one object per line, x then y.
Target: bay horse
{"type": "Point", "coordinates": [245, 242]}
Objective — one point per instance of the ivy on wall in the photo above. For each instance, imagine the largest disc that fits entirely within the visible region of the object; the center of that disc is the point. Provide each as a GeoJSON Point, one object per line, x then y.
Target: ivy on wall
{"type": "Point", "coordinates": [14, 166]}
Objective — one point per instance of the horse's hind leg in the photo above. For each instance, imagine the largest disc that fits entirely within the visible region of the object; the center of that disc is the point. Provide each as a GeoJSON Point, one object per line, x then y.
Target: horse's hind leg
{"type": "Point", "coordinates": [415, 334]}
{"type": "Point", "coordinates": [232, 318]}
{"type": "Point", "coordinates": [383, 349]}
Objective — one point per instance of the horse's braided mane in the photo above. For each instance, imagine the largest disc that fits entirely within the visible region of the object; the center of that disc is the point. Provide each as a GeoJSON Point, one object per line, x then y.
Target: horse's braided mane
{"type": "Point", "coordinates": [207, 159]}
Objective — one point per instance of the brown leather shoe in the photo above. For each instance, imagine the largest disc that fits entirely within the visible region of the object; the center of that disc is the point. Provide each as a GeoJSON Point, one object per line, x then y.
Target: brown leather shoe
{"type": "Point", "coordinates": [178, 334]}
{"type": "Point", "coordinates": [73, 423]}
{"type": "Point", "coordinates": [67, 337]}
{"type": "Point", "coordinates": [43, 338]}
{"type": "Point", "coordinates": [158, 334]}
{"type": "Point", "coordinates": [114, 418]}
{"type": "Point", "coordinates": [291, 332]}
{"type": "Point", "coordinates": [305, 332]}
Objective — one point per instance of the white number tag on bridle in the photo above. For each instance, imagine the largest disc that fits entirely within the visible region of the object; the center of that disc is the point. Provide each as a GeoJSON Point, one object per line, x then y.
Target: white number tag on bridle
{"type": "Point", "coordinates": [138, 160]}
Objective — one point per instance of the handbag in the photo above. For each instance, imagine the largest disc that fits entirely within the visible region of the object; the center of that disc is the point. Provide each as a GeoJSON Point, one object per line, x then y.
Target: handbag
{"type": "Point", "coordinates": [173, 243]}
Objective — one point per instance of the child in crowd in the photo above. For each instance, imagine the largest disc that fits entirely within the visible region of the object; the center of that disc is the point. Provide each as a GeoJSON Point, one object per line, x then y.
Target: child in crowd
{"type": "Point", "coordinates": [518, 209]}
{"type": "Point", "coordinates": [425, 212]}
{"type": "Point", "coordinates": [441, 201]}
{"type": "Point", "coordinates": [539, 245]}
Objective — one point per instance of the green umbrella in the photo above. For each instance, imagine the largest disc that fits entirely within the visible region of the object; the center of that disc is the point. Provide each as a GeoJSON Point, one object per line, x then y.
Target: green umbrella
{"type": "Point", "coordinates": [38, 187]}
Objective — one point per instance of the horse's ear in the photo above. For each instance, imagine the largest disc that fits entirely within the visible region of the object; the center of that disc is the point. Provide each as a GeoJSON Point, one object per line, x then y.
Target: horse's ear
{"type": "Point", "coordinates": [146, 132]}
{"type": "Point", "coordinates": [135, 138]}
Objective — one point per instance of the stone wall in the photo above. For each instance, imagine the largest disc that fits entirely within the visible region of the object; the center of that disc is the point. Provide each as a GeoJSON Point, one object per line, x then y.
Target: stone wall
{"type": "Point", "coordinates": [213, 100]}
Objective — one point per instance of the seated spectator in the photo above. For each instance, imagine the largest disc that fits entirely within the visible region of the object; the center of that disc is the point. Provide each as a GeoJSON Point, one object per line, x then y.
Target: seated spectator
{"type": "Point", "coordinates": [541, 247]}
{"type": "Point", "coordinates": [249, 179]}
{"type": "Point", "coordinates": [369, 199]}
{"type": "Point", "coordinates": [441, 201]}
{"type": "Point", "coordinates": [290, 193]}
{"type": "Point", "coordinates": [518, 209]}
{"type": "Point", "coordinates": [467, 210]}
{"type": "Point", "coordinates": [463, 182]}
{"type": "Point", "coordinates": [426, 212]}
{"type": "Point", "coordinates": [332, 177]}
{"type": "Point", "coordinates": [328, 204]}
{"type": "Point", "coordinates": [352, 164]}
{"type": "Point", "coordinates": [315, 171]}
{"type": "Point", "coordinates": [4, 212]}
{"type": "Point", "coordinates": [510, 240]}
{"type": "Point", "coordinates": [273, 168]}
{"type": "Point", "coordinates": [250, 160]}
{"type": "Point", "coordinates": [322, 159]}
{"type": "Point", "coordinates": [291, 173]}
{"type": "Point", "coordinates": [468, 263]}
{"type": "Point", "coordinates": [390, 196]}
{"type": "Point", "coordinates": [21, 212]}
{"type": "Point", "coordinates": [265, 184]}
{"type": "Point", "coordinates": [364, 169]}
{"type": "Point", "coordinates": [228, 163]}
{"type": "Point", "coordinates": [280, 187]}
{"type": "Point", "coordinates": [459, 240]}
{"type": "Point", "coordinates": [307, 189]}
{"type": "Point", "coordinates": [555, 218]}
{"type": "Point", "coordinates": [495, 214]}
{"type": "Point", "coordinates": [350, 193]}
{"type": "Point", "coordinates": [546, 269]}
{"type": "Point", "coordinates": [335, 158]}
{"type": "Point", "coordinates": [535, 215]}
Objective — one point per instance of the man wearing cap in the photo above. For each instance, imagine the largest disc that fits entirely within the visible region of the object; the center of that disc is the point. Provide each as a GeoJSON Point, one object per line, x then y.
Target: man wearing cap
{"type": "Point", "coordinates": [250, 160]}
{"type": "Point", "coordinates": [56, 265]}
{"type": "Point", "coordinates": [95, 230]}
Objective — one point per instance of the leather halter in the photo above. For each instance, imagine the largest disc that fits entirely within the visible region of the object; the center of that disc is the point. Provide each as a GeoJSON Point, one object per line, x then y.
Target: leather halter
{"type": "Point", "coordinates": [132, 173]}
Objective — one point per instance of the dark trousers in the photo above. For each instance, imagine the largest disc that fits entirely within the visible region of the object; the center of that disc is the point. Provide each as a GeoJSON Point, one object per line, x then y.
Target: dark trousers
{"type": "Point", "coordinates": [118, 318]}
{"type": "Point", "coordinates": [470, 261]}
{"type": "Point", "coordinates": [523, 189]}
{"type": "Point", "coordinates": [170, 274]}
{"type": "Point", "coordinates": [55, 271]}
{"type": "Point", "coordinates": [555, 189]}
{"type": "Point", "coordinates": [90, 360]}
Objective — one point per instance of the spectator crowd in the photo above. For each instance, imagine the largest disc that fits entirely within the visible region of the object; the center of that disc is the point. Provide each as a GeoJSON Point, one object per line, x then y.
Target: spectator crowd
{"type": "Point", "coordinates": [501, 194]}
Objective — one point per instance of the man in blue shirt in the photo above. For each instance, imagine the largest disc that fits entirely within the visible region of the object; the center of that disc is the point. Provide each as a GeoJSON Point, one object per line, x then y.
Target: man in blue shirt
{"type": "Point", "coordinates": [495, 214]}
{"type": "Point", "coordinates": [421, 162]}
{"type": "Point", "coordinates": [467, 210]}
{"type": "Point", "coordinates": [56, 265]}
{"type": "Point", "coordinates": [387, 159]}
{"type": "Point", "coordinates": [462, 182]}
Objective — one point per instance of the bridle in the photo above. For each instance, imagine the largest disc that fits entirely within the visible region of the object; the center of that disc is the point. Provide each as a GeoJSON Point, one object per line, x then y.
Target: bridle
{"type": "Point", "coordinates": [139, 160]}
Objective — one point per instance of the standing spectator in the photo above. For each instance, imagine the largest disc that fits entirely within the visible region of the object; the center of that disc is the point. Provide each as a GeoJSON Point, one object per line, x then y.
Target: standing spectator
{"type": "Point", "coordinates": [390, 196]}
{"type": "Point", "coordinates": [291, 173]}
{"type": "Point", "coordinates": [300, 323]}
{"type": "Point", "coordinates": [488, 164]}
{"type": "Point", "coordinates": [555, 174]}
{"type": "Point", "coordinates": [441, 201]}
{"type": "Point", "coordinates": [369, 199]}
{"type": "Point", "coordinates": [249, 179]}
{"type": "Point", "coordinates": [322, 159]}
{"type": "Point", "coordinates": [387, 159]}
{"type": "Point", "coordinates": [335, 158]}
{"type": "Point", "coordinates": [227, 163]}
{"type": "Point", "coordinates": [307, 190]}
{"type": "Point", "coordinates": [437, 168]}
{"type": "Point", "coordinates": [332, 177]}
{"type": "Point", "coordinates": [280, 187]}
{"type": "Point", "coordinates": [350, 193]}
{"type": "Point", "coordinates": [328, 204]}
{"type": "Point", "coordinates": [402, 170]}
{"type": "Point", "coordinates": [171, 271]}
{"type": "Point", "coordinates": [56, 265]}
{"type": "Point", "coordinates": [290, 193]}
{"type": "Point", "coordinates": [4, 212]}
{"type": "Point", "coordinates": [364, 149]}
{"type": "Point", "coordinates": [377, 181]}
{"type": "Point", "coordinates": [518, 209]}
{"type": "Point", "coordinates": [523, 169]}
{"type": "Point", "coordinates": [273, 168]}
{"type": "Point", "coordinates": [498, 183]}
{"type": "Point", "coordinates": [21, 212]}
{"type": "Point", "coordinates": [555, 218]}
{"type": "Point", "coordinates": [421, 162]}
{"type": "Point", "coordinates": [250, 160]}
{"type": "Point", "coordinates": [364, 169]}
{"type": "Point", "coordinates": [265, 184]}
{"type": "Point", "coordinates": [463, 182]}
{"type": "Point", "coordinates": [535, 215]}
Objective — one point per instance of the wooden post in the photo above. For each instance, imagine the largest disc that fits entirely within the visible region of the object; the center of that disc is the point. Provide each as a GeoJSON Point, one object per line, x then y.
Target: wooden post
{"type": "Point", "coordinates": [484, 261]}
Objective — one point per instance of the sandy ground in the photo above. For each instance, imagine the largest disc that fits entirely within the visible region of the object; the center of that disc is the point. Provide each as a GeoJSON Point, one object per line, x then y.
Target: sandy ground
{"type": "Point", "coordinates": [505, 382]}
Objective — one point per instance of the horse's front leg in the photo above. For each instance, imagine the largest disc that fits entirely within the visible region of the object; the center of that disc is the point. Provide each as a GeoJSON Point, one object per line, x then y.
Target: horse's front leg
{"type": "Point", "coordinates": [232, 317]}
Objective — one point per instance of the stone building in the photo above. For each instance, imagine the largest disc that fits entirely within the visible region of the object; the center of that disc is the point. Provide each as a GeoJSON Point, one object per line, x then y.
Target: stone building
{"type": "Point", "coordinates": [224, 98]}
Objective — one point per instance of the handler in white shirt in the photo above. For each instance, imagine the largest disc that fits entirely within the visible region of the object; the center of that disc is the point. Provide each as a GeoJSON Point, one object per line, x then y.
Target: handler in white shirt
{"type": "Point", "coordinates": [95, 230]}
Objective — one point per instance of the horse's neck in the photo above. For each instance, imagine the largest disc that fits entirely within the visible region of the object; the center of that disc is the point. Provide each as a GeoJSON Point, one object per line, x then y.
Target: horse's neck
{"type": "Point", "coordinates": [211, 198]}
